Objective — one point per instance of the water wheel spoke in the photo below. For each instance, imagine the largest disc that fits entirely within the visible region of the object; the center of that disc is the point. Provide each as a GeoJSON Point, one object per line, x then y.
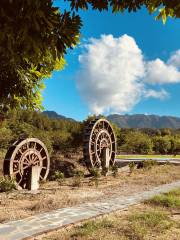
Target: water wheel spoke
{"type": "Point", "coordinates": [35, 145]}
{"type": "Point", "coordinates": [20, 151]}
{"type": "Point", "coordinates": [40, 150]}
{"type": "Point", "coordinates": [41, 177]}
{"type": "Point", "coordinates": [25, 167]}
{"type": "Point", "coordinates": [16, 172]}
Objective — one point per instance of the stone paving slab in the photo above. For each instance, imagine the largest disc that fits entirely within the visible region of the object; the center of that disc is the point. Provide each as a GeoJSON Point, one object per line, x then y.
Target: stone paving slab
{"type": "Point", "coordinates": [45, 222]}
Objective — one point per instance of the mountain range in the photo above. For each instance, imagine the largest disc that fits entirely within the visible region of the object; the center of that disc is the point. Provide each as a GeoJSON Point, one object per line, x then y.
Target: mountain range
{"type": "Point", "coordinates": [133, 121]}
{"type": "Point", "coordinates": [144, 121]}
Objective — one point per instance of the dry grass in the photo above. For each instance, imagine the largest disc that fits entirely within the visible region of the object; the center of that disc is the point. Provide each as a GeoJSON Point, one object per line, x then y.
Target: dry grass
{"type": "Point", "coordinates": [21, 204]}
{"type": "Point", "coordinates": [143, 222]}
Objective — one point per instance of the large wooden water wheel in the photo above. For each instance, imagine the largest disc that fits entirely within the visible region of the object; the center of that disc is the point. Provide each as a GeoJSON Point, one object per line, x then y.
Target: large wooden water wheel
{"type": "Point", "coordinates": [99, 136]}
{"type": "Point", "coordinates": [22, 156]}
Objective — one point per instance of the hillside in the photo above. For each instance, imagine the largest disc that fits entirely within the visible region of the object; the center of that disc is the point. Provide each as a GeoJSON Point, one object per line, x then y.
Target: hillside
{"type": "Point", "coordinates": [132, 121]}
{"type": "Point", "coordinates": [53, 114]}
{"type": "Point", "coordinates": [144, 121]}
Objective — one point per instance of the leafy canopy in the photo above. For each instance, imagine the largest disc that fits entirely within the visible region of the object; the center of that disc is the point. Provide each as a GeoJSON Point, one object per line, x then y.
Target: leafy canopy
{"type": "Point", "coordinates": [34, 37]}
{"type": "Point", "coordinates": [33, 40]}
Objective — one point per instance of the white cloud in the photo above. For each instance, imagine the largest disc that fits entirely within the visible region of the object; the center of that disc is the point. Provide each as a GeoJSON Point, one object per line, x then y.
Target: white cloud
{"type": "Point", "coordinates": [175, 59]}
{"type": "Point", "coordinates": [114, 76]}
{"type": "Point", "coordinates": [159, 72]}
{"type": "Point", "coordinates": [162, 94]}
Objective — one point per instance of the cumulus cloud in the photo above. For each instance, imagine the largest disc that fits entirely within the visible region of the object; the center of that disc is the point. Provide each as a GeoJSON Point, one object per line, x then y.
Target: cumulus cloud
{"type": "Point", "coordinates": [158, 72]}
{"type": "Point", "coordinates": [175, 59]}
{"type": "Point", "coordinates": [114, 76]}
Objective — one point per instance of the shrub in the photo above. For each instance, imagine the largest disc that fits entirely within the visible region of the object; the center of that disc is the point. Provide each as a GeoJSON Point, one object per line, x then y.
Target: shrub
{"type": "Point", "coordinates": [59, 177]}
{"type": "Point", "coordinates": [132, 166]}
{"type": "Point", "coordinates": [7, 184]}
{"type": "Point", "coordinates": [148, 164]}
{"type": "Point", "coordinates": [77, 179]}
{"type": "Point", "coordinates": [95, 176]}
{"type": "Point", "coordinates": [114, 170]}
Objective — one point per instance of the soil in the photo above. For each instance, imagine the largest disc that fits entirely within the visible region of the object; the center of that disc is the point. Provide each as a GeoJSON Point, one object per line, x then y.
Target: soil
{"type": "Point", "coordinates": [53, 195]}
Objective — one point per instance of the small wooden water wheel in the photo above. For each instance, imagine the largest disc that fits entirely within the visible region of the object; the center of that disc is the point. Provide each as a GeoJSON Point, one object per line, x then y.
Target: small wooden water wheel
{"type": "Point", "coordinates": [22, 156]}
{"type": "Point", "coordinates": [99, 144]}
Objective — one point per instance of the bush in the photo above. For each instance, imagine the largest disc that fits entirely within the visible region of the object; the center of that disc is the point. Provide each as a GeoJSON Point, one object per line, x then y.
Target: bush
{"type": "Point", "coordinates": [137, 142]}
{"type": "Point", "coordinates": [147, 164]}
{"type": "Point", "coordinates": [7, 184]}
{"type": "Point", "coordinates": [162, 144]}
{"type": "Point", "coordinates": [77, 179]}
{"type": "Point", "coordinates": [114, 170]}
{"type": "Point", "coordinates": [132, 166]}
{"type": "Point", "coordinates": [59, 177]}
{"type": "Point", "coordinates": [95, 176]}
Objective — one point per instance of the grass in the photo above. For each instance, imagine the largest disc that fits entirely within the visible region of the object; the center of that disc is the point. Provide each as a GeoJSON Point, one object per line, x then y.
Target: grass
{"type": "Point", "coordinates": [142, 222]}
{"type": "Point", "coordinates": [146, 156]}
{"type": "Point", "coordinates": [168, 200]}
{"type": "Point", "coordinates": [52, 195]}
{"type": "Point", "coordinates": [91, 227]}
{"type": "Point", "coordinates": [7, 184]}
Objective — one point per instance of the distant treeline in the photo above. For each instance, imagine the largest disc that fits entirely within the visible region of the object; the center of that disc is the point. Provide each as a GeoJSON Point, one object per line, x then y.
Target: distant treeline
{"type": "Point", "coordinates": [62, 134]}
{"type": "Point", "coordinates": [57, 134]}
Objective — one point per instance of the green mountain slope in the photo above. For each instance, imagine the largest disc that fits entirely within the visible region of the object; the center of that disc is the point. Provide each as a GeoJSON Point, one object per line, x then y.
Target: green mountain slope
{"type": "Point", "coordinates": [144, 121]}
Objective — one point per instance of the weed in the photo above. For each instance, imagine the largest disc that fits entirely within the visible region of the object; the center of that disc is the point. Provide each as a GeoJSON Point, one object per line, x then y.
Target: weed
{"type": "Point", "coordinates": [163, 200]}
{"type": "Point", "coordinates": [141, 224]}
{"type": "Point", "coordinates": [114, 170]}
{"type": "Point", "coordinates": [147, 164]}
{"type": "Point", "coordinates": [77, 179]}
{"type": "Point", "coordinates": [7, 184]}
{"type": "Point", "coordinates": [59, 177]}
{"type": "Point", "coordinates": [90, 227]}
{"type": "Point", "coordinates": [95, 176]}
{"type": "Point", "coordinates": [132, 166]}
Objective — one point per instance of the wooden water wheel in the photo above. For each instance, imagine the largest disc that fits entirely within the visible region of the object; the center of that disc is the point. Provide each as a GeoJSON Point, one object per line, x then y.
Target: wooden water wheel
{"type": "Point", "coordinates": [98, 135]}
{"type": "Point", "coordinates": [24, 154]}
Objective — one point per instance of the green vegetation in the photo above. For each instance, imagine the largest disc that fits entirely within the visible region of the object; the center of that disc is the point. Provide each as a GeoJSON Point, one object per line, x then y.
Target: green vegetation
{"type": "Point", "coordinates": [77, 179]}
{"type": "Point", "coordinates": [57, 134]}
{"type": "Point", "coordinates": [59, 177]}
{"type": "Point", "coordinates": [62, 134]}
{"type": "Point", "coordinates": [95, 176]}
{"type": "Point", "coordinates": [114, 170]}
{"type": "Point", "coordinates": [90, 227]}
{"type": "Point", "coordinates": [7, 184]}
{"type": "Point", "coordinates": [132, 166]}
{"type": "Point", "coordinates": [147, 221]}
{"type": "Point", "coordinates": [148, 142]}
{"type": "Point", "coordinates": [169, 200]}
{"type": "Point", "coordinates": [147, 164]}
{"type": "Point", "coordinates": [136, 225]}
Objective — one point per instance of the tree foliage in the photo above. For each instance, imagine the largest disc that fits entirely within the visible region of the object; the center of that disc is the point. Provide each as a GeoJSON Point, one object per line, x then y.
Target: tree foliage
{"type": "Point", "coordinates": [165, 8]}
{"type": "Point", "coordinates": [33, 40]}
{"type": "Point", "coordinates": [61, 135]}
{"type": "Point", "coordinates": [35, 36]}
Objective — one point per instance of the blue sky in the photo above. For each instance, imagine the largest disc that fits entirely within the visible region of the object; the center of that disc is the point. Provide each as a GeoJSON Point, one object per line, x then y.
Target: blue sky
{"type": "Point", "coordinates": [63, 92]}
